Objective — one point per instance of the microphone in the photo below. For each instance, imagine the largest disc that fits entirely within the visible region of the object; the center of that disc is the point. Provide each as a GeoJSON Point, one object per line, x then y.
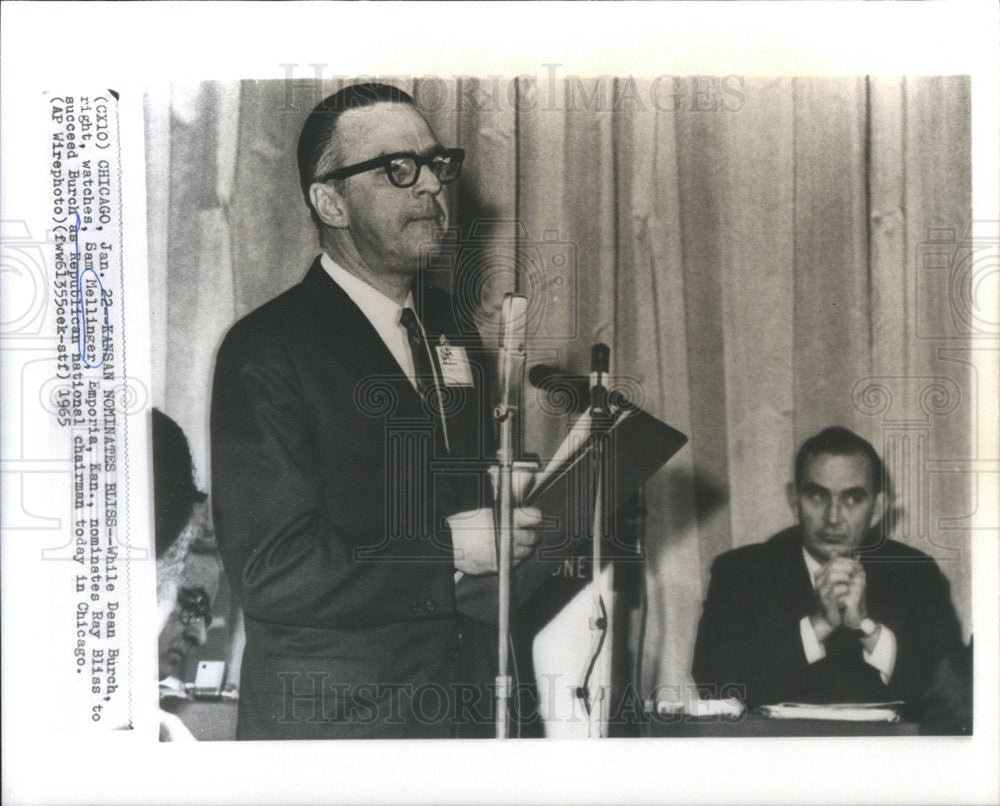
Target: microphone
{"type": "Point", "coordinates": [567, 393]}
{"type": "Point", "coordinates": [600, 358]}
{"type": "Point", "coordinates": [513, 333]}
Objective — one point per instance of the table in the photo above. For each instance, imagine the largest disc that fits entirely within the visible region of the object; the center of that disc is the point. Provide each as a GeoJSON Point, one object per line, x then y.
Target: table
{"type": "Point", "coordinates": [208, 720]}
{"type": "Point", "coordinates": [215, 720]}
{"type": "Point", "coordinates": [679, 726]}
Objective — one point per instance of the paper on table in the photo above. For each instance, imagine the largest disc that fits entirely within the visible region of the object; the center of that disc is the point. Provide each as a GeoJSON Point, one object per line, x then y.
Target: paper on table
{"type": "Point", "coordinates": [699, 708]}
{"type": "Point", "coordinates": [846, 711]}
{"type": "Point", "coordinates": [728, 707]}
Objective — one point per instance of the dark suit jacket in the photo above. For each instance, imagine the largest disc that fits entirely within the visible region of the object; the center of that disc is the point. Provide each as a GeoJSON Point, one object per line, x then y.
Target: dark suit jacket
{"type": "Point", "coordinates": [749, 642]}
{"type": "Point", "coordinates": [330, 486]}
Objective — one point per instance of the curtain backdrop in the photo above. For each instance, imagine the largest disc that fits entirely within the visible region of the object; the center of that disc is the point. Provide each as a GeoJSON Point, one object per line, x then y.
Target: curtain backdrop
{"type": "Point", "coordinates": [764, 257]}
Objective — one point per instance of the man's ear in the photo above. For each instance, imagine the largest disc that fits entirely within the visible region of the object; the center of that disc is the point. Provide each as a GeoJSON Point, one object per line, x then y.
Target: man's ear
{"type": "Point", "coordinates": [329, 205]}
{"type": "Point", "coordinates": [793, 498]}
{"type": "Point", "coordinates": [878, 511]}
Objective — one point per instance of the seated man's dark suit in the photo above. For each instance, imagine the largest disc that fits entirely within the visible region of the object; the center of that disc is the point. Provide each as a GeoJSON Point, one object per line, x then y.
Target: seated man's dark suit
{"type": "Point", "coordinates": [749, 637]}
{"type": "Point", "coordinates": [330, 488]}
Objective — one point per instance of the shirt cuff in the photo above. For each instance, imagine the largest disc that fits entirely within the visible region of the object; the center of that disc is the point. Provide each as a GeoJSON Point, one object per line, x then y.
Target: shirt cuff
{"type": "Point", "coordinates": [810, 643]}
{"type": "Point", "coordinates": [883, 654]}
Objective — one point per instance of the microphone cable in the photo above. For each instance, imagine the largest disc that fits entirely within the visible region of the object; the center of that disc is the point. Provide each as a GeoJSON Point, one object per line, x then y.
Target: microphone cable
{"type": "Point", "coordinates": [600, 356]}
{"type": "Point", "coordinates": [583, 690]}
{"type": "Point", "coordinates": [641, 638]}
{"type": "Point", "coordinates": [517, 683]}
{"type": "Point", "coordinates": [643, 596]}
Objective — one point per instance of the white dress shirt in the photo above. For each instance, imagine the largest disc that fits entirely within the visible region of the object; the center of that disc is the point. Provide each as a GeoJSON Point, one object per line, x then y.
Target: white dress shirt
{"type": "Point", "coordinates": [883, 654]}
{"type": "Point", "coordinates": [378, 309]}
{"type": "Point", "coordinates": [384, 313]}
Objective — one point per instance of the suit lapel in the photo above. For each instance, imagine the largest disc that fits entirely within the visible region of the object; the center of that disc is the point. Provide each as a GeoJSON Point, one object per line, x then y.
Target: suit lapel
{"type": "Point", "coordinates": [792, 587]}
{"type": "Point", "coordinates": [352, 336]}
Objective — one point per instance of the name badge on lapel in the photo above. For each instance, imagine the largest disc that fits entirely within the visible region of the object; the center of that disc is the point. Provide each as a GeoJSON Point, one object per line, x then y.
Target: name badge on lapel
{"type": "Point", "coordinates": [455, 367]}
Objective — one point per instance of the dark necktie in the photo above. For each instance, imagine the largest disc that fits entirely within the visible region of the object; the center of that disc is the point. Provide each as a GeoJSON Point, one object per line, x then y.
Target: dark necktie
{"type": "Point", "coordinates": [427, 379]}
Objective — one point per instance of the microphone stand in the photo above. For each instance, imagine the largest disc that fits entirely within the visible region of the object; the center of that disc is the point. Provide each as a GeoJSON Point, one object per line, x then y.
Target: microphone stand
{"type": "Point", "coordinates": [599, 623]}
{"type": "Point", "coordinates": [512, 358]}
{"type": "Point", "coordinates": [504, 561]}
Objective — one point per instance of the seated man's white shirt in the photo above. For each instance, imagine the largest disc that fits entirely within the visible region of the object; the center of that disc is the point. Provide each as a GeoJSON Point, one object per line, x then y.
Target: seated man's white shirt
{"type": "Point", "coordinates": [883, 654]}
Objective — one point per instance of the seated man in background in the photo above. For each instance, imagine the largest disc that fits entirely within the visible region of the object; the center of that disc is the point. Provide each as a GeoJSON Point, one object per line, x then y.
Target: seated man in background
{"type": "Point", "coordinates": [187, 562]}
{"type": "Point", "coordinates": [829, 610]}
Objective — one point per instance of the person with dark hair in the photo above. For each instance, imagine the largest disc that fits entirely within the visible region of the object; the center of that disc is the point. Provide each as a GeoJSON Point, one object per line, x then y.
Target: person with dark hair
{"type": "Point", "coordinates": [317, 149]}
{"type": "Point", "coordinates": [830, 610]}
{"type": "Point", "coordinates": [181, 522]}
{"type": "Point", "coordinates": [187, 561]}
{"type": "Point", "coordinates": [174, 491]}
{"type": "Point", "coordinates": [350, 429]}
{"type": "Point", "coordinates": [839, 441]}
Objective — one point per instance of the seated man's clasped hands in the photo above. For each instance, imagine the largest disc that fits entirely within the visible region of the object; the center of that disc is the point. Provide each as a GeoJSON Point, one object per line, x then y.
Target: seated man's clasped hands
{"type": "Point", "coordinates": [837, 499]}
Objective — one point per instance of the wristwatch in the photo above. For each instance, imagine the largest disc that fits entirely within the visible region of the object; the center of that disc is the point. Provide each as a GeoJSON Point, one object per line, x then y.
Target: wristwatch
{"type": "Point", "coordinates": [867, 627]}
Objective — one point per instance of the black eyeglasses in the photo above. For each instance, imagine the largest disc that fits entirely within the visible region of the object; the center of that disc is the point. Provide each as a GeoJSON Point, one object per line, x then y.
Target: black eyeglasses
{"type": "Point", "coordinates": [403, 167]}
{"type": "Point", "coordinates": [195, 603]}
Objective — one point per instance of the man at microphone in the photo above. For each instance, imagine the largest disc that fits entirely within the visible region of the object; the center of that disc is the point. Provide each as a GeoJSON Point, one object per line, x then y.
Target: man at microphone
{"type": "Point", "coordinates": [829, 610]}
{"type": "Point", "coordinates": [350, 436]}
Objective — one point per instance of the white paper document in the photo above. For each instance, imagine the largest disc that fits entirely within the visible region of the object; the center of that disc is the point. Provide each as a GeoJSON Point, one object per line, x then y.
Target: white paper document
{"type": "Point", "coordinates": [844, 711]}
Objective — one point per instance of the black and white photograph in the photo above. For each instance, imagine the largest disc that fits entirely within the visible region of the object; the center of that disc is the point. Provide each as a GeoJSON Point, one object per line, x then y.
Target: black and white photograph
{"type": "Point", "coordinates": [737, 247]}
{"type": "Point", "coordinates": [631, 419]}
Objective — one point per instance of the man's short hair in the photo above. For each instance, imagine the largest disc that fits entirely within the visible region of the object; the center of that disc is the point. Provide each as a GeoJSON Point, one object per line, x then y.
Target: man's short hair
{"type": "Point", "coordinates": [320, 127]}
{"type": "Point", "coordinates": [839, 441]}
